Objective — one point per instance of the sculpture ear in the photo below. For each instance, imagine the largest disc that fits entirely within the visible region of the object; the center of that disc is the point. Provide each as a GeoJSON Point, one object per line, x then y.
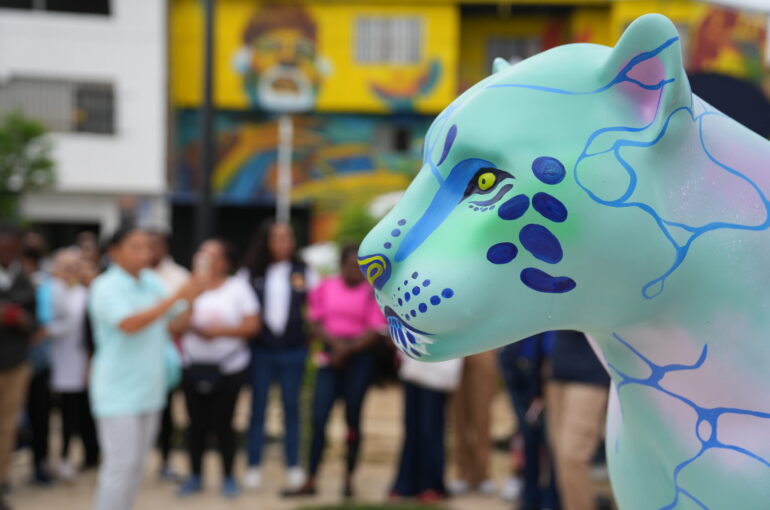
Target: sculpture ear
{"type": "Point", "coordinates": [499, 64]}
{"type": "Point", "coordinates": [648, 57]}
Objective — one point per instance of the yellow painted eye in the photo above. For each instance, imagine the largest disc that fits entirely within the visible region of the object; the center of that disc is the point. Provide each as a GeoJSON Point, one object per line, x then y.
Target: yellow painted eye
{"type": "Point", "coordinates": [486, 180]}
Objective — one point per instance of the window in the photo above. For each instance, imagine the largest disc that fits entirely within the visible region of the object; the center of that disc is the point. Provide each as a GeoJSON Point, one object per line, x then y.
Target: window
{"type": "Point", "coordinates": [75, 6]}
{"type": "Point", "coordinates": [511, 49]}
{"type": "Point", "coordinates": [395, 40]}
{"type": "Point", "coordinates": [62, 105]}
{"type": "Point", "coordinates": [390, 138]}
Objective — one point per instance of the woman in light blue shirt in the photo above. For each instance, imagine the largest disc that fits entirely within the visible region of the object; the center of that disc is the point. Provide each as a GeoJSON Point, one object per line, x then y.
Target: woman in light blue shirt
{"type": "Point", "coordinates": [130, 312]}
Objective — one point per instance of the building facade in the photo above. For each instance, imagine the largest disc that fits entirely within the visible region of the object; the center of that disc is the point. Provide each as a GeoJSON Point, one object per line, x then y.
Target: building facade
{"type": "Point", "coordinates": [364, 80]}
{"type": "Point", "coordinates": [95, 73]}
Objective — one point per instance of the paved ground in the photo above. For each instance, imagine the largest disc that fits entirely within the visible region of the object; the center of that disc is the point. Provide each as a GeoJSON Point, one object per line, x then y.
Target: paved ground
{"type": "Point", "coordinates": [382, 427]}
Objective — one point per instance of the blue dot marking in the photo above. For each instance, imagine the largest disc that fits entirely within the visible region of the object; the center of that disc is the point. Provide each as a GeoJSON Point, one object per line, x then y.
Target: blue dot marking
{"type": "Point", "coordinates": [416, 291]}
{"type": "Point", "coordinates": [541, 281]}
{"type": "Point", "coordinates": [395, 232]}
{"type": "Point", "coordinates": [549, 207]}
{"type": "Point", "coordinates": [548, 170]}
{"type": "Point", "coordinates": [400, 302]}
{"type": "Point", "coordinates": [407, 297]}
{"type": "Point", "coordinates": [435, 300]}
{"type": "Point", "coordinates": [447, 293]}
{"type": "Point", "coordinates": [502, 253]}
{"type": "Point", "coordinates": [387, 246]}
{"type": "Point", "coordinates": [402, 222]}
{"type": "Point", "coordinates": [410, 337]}
{"type": "Point", "coordinates": [414, 275]}
{"type": "Point", "coordinates": [423, 307]}
{"type": "Point", "coordinates": [426, 283]}
{"type": "Point", "coordinates": [412, 313]}
{"type": "Point", "coordinates": [514, 208]}
{"type": "Point", "coordinates": [541, 243]}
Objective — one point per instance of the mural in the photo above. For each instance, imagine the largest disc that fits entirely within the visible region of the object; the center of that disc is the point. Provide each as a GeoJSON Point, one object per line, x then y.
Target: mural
{"type": "Point", "coordinates": [278, 61]}
{"type": "Point", "coordinates": [729, 42]}
{"type": "Point", "coordinates": [614, 202]}
{"type": "Point", "coordinates": [335, 161]}
{"type": "Point", "coordinates": [328, 57]}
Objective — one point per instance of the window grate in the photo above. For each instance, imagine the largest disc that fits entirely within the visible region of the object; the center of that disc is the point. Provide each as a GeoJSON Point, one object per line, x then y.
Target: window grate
{"type": "Point", "coordinates": [393, 40]}
{"type": "Point", "coordinates": [61, 105]}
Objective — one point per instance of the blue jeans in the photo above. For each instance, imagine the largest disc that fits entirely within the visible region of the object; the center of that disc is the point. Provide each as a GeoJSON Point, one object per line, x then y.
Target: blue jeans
{"type": "Point", "coordinates": [422, 457]}
{"type": "Point", "coordinates": [287, 366]}
{"type": "Point", "coordinates": [349, 381]}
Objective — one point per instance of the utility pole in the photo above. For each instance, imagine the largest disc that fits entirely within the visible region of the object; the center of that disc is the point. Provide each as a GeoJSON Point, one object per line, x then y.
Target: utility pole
{"type": "Point", "coordinates": [205, 212]}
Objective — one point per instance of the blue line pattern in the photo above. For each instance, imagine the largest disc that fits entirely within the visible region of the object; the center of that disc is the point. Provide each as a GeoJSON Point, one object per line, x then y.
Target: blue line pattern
{"type": "Point", "coordinates": [654, 287]}
{"type": "Point", "coordinates": [705, 415]}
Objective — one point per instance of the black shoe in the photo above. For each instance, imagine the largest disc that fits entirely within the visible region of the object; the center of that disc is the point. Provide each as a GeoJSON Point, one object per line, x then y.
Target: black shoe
{"type": "Point", "coordinates": [42, 477]}
{"type": "Point", "coordinates": [4, 504]}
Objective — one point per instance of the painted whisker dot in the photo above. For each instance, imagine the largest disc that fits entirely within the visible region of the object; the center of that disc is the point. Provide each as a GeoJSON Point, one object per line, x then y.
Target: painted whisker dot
{"type": "Point", "coordinates": [407, 297]}
{"type": "Point", "coordinates": [435, 300]}
{"type": "Point", "coordinates": [548, 170]}
{"type": "Point", "coordinates": [514, 208]}
{"type": "Point", "coordinates": [423, 307]}
{"type": "Point", "coordinates": [426, 283]}
{"type": "Point", "coordinates": [541, 243]}
{"type": "Point", "coordinates": [502, 253]}
{"type": "Point", "coordinates": [416, 291]}
{"type": "Point", "coordinates": [447, 293]}
{"type": "Point", "coordinates": [414, 275]}
{"type": "Point", "coordinates": [395, 232]}
{"type": "Point", "coordinates": [413, 313]}
{"type": "Point", "coordinates": [402, 222]}
{"type": "Point", "coordinates": [549, 207]}
{"type": "Point", "coordinates": [387, 246]}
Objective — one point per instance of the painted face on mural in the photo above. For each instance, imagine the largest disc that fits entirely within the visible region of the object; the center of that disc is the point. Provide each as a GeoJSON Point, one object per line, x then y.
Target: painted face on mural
{"type": "Point", "coordinates": [538, 185]}
{"type": "Point", "coordinates": [278, 60]}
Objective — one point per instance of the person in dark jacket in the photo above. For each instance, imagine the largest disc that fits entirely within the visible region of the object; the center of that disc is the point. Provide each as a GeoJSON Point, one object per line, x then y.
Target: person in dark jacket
{"type": "Point", "coordinates": [17, 326]}
{"type": "Point", "coordinates": [576, 401]}
{"type": "Point", "coordinates": [279, 352]}
{"type": "Point", "coordinates": [522, 367]}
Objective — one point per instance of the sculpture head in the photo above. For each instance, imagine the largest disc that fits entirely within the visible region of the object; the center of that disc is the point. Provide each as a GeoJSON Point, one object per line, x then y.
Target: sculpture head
{"type": "Point", "coordinates": [518, 221]}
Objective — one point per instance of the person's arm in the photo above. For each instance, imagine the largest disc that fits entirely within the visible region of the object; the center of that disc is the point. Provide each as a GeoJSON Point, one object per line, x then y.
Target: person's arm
{"type": "Point", "coordinates": [141, 320]}
{"type": "Point", "coordinates": [249, 326]}
{"type": "Point", "coordinates": [181, 323]}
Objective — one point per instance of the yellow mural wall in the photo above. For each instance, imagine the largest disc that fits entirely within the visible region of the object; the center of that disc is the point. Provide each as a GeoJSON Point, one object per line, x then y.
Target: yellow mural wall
{"type": "Point", "coordinates": [714, 39]}
{"type": "Point", "coordinates": [343, 83]}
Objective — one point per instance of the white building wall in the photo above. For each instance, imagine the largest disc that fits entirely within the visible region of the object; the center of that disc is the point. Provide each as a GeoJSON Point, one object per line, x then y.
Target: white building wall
{"type": "Point", "coordinates": [126, 48]}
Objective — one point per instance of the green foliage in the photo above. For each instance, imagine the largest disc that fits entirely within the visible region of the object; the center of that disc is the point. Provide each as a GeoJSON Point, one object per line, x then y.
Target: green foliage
{"type": "Point", "coordinates": [355, 222]}
{"type": "Point", "coordinates": [25, 162]}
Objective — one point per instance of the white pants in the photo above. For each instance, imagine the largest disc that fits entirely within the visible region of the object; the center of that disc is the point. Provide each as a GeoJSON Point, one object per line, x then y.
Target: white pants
{"type": "Point", "coordinates": [125, 442]}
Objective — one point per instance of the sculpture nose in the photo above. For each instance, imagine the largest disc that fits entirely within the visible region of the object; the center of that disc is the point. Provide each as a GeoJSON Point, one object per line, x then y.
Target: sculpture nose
{"type": "Point", "coordinates": [376, 269]}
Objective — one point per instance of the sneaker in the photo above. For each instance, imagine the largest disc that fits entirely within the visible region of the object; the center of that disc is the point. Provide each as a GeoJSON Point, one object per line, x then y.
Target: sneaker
{"type": "Point", "coordinates": [458, 487]}
{"type": "Point", "coordinates": [512, 489]}
{"type": "Point", "coordinates": [230, 488]}
{"type": "Point", "coordinates": [191, 486]}
{"type": "Point", "coordinates": [430, 497]}
{"type": "Point", "coordinates": [67, 471]}
{"type": "Point", "coordinates": [295, 478]}
{"type": "Point", "coordinates": [253, 478]}
{"type": "Point", "coordinates": [487, 487]}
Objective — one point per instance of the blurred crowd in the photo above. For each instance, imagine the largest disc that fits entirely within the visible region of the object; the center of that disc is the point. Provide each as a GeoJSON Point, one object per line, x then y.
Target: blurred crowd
{"type": "Point", "coordinates": [106, 335]}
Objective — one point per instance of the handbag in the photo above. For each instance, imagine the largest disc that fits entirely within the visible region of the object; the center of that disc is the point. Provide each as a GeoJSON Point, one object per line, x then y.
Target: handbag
{"type": "Point", "coordinates": [206, 378]}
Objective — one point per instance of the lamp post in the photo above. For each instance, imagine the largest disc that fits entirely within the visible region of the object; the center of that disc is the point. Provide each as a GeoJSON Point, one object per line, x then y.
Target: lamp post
{"type": "Point", "coordinates": [205, 212]}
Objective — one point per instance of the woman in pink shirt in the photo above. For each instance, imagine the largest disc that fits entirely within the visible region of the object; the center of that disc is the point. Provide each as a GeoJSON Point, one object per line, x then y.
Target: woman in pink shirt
{"type": "Point", "coordinates": [346, 317]}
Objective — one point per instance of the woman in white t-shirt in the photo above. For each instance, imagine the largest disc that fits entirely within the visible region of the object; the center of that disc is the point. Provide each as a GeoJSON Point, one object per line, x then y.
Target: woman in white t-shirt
{"type": "Point", "coordinates": [216, 358]}
{"type": "Point", "coordinates": [69, 357]}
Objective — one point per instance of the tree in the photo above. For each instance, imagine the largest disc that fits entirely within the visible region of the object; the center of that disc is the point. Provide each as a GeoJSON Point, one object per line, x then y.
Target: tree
{"type": "Point", "coordinates": [25, 162]}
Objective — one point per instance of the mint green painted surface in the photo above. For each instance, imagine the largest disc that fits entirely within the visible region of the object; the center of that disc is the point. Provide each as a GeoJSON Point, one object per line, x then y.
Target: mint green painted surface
{"type": "Point", "coordinates": [654, 242]}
